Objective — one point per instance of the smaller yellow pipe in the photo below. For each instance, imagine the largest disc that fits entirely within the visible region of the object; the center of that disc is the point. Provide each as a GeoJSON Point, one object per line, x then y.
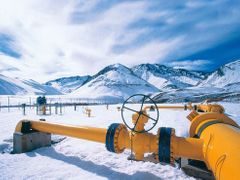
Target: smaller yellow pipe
{"type": "Point", "coordinates": [167, 107]}
{"type": "Point", "coordinates": [191, 148]}
{"type": "Point", "coordinates": [82, 132]}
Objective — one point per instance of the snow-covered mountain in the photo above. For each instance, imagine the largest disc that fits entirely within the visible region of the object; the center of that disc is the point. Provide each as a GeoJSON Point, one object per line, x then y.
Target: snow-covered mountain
{"type": "Point", "coordinates": [166, 78]}
{"type": "Point", "coordinates": [227, 77]}
{"type": "Point", "coordinates": [68, 84]}
{"type": "Point", "coordinates": [14, 86]}
{"type": "Point", "coordinates": [117, 82]}
{"type": "Point", "coordinates": [222, 84]}
{"type": "Point", "coordinates": [114, 82]}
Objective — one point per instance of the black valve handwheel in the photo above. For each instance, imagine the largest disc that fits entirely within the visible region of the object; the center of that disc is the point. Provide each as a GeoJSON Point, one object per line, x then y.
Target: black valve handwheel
{"type": "Point", "coordinates": [144, 99]}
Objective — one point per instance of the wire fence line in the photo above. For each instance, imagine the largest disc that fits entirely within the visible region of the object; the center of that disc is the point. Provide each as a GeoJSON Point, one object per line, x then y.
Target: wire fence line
{"type": "Point", "coordinates": [23, 102]}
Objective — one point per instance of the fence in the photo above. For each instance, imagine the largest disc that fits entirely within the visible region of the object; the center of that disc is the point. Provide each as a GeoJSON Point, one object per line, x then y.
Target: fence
{"type": "Point", "coordinates": [56, 102]}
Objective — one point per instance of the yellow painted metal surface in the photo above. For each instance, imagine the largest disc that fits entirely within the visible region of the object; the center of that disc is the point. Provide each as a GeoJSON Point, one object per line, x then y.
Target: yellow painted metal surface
{"type": "Point", "coordinates": [187, 147]}
{"type": "Point", "coordinates": [82, 132]}
{"type": "Point", "coordinates": [192, 115]}
{"type": "Point", "coordinates": [209, 116]}
{"type": "Point", "coordinates": [167, 107]}
{"type": "Point", "coordinates": [211, 108]}
{"type": "Point", "coordinates": [221, 150]}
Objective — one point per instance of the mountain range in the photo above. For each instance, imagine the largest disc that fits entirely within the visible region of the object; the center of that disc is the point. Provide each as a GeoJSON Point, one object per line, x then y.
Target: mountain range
{"type": "Point", "coordinates": [117, 82]}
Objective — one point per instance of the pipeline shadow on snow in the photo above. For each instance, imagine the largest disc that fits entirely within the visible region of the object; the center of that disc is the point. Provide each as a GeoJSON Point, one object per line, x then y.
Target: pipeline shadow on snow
{"type": "Point", "coordinates": [100, 170]}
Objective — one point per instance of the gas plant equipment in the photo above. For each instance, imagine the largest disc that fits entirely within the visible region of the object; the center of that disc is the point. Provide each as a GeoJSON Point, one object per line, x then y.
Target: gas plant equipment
{"type": "Point", "coordinates": [214, 138]}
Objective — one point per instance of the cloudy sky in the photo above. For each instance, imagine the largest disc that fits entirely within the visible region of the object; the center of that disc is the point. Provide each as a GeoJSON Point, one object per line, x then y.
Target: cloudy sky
{"type": "Point", "coordinates": [43, 40]}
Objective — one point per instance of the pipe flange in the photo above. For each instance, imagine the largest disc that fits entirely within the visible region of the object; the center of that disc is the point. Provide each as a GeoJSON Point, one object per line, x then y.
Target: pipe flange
{"type": "Point", "coordinates": [112, 137]}
{"type": "Point", "coordinates": [165, 149]}
{"type": "Point", "coordinates": [119, 129]}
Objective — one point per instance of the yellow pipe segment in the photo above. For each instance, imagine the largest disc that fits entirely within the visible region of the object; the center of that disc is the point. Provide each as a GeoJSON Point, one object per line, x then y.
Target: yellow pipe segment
{"type": "Point", "coordinates": [187, 148]}
{"type": "Point", "coordinates": [200, 107]}
{"type": "Point", "coordinates": [168, 107]}
{"type": "Point", "coordinates": [221, 150]}
{"type": "Point", "coordinates": [82, 132]}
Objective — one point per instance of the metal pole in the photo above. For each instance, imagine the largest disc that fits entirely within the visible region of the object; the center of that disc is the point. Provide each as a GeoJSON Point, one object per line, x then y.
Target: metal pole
{"type": "Point", "coordinates": [37, 109]}
{"type": "Point", "coordinates": [30, 102]}
{"type": "Point", "coordinates": [56, 106]}
{"type": "Point", "coordinates": [61, 108]}
{"type": "Point", "coordinates": [8, 104]}
{"type": "Point", "coordinates": [24, 109]}
{"type": "Point", "coordinates": [50, 108]}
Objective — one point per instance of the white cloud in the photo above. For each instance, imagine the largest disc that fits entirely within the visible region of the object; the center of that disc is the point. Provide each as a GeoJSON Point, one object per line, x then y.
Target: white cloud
{"type": "Point", "coordinates": [190, 64]}
{"type": "Point", "coordinates": [53, 42]}
{"type": "Point", "coordinates": [51, 46]}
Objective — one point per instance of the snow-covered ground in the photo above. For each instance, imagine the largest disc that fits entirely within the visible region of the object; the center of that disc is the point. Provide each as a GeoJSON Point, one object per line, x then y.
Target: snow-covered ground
{"type": "Point", "coordinates": [73, 158]}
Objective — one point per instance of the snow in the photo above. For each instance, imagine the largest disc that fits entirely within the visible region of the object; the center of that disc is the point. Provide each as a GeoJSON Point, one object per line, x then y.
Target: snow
{"type": "Point", "coordinates": [73, 158]}
{"type": "Point", "coordinates": [167, 78]}
{"type": "Point", "coordinates": [68, 84]}
{"type": "Point", "coordinates": [224, 76]}
{"type": "Point", "coordinates": [16, 86]}
{"type": "Point", "coordinates": [79, 159]}
{"type": "Point", "coordinates": [114, 82]}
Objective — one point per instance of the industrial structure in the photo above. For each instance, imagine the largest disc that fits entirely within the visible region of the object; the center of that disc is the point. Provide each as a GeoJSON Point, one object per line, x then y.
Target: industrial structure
{"type": "Point", "coordinates": [214, 138]}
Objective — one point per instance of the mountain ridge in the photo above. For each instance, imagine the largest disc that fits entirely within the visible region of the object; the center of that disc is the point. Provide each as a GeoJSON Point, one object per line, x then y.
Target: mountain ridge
{"type": "Point", "coordinates": [117, 81]}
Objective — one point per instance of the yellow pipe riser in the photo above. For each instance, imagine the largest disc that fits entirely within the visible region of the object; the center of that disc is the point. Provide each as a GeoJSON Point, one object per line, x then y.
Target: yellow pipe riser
{"type": "Point", "coordinates": [221, 150]}
{"type": "Point", "coordinates": [82, 132]}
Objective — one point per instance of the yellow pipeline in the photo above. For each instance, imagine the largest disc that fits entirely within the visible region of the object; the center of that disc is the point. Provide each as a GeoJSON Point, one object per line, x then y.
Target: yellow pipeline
{"type": "Point", "coordinates": [82, 132]}
{"type": "Point", "coordinates": [141, 143]}
{"type": "Point", "coordinates": [200, 107]}
{"type": "Point", "coordinates": [221, 143]}
{"type": "Point", "coordinates": [186, 147]}
{"type": "Point", "coordinates": [214, 139]}
{"type": "Point", "coordinates": [168, 107]}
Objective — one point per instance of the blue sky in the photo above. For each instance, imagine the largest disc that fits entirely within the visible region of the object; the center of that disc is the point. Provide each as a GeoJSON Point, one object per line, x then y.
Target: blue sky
{"type": "Point", "coordinates": [62, 38]}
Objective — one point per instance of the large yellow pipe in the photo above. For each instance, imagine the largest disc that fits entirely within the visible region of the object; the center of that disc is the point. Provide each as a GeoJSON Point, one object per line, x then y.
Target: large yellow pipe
{"type": "Point", "coordinates": [221, 150]}
{"type": "Point", "coordinates": [82, 132]}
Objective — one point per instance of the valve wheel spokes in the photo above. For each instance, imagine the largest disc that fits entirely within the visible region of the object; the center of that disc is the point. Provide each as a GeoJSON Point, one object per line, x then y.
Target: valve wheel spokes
{"type": "Point", "coordinates": [141, 112]}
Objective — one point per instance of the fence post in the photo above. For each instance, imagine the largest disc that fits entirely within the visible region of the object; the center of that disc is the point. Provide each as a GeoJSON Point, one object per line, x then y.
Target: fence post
{"type": "Point", "coordinates": [37, 109]}
{"type": "Point", "coordinates": [75, 107]}
{"type": "Point", "coordinates": [8, 104]}
{"type": "Point", "coordinates": [30, 103]}
{"type": "Point", "coordinates": [50, 109]}
{"type": "Point", "coordinates": [61, 108]}
{"type": "Point", "coordinates": [24, 109]}
{"type": "Point", "coordinates": [56, 108]}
